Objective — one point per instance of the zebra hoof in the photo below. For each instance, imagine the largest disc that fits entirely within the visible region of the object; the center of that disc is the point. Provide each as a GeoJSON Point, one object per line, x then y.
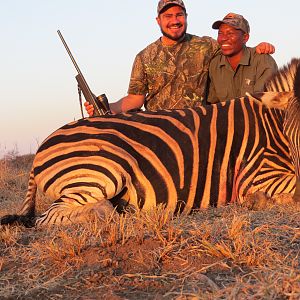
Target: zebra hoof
{"type": "Point", "coordinates": [104, 210]}
{"type": "Point", "coordinates": [258, 201]}
{"type": "Point", "coordinates": [123, 207]}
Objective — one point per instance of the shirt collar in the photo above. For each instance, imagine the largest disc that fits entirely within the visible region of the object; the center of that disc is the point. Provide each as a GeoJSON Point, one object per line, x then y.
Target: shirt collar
{"type": "Point", "coordinates": [245, 60]}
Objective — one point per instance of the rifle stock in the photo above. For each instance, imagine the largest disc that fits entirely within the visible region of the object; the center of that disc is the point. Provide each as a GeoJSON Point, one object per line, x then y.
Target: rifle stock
{"type": "Point", "coordinates": [100, 103]}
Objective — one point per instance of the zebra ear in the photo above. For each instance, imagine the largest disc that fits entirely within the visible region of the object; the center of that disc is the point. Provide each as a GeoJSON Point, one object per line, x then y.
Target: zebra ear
{"type": "Point", "coordinates": [272, 99]}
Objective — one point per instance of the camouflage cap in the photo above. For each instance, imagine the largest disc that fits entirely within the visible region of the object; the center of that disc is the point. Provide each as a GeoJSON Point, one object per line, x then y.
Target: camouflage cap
{"type": "Point", "coordinates": [234, 20]}
{"type": "Point", "coordinates": [164, 3]}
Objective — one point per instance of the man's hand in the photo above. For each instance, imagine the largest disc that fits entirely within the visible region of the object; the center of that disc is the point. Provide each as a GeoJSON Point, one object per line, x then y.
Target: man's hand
{"type": "Point", "coordinates": [265, 48]}
{"type": "Point", "coordinates": [89, 108]}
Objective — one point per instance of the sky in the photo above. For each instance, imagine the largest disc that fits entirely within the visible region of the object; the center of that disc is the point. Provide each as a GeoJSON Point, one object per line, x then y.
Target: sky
{"type": "Point", "coordinates": [38, 89]}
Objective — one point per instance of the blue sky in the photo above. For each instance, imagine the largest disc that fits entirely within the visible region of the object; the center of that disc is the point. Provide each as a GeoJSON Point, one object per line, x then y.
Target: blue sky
{"type": "Point", "coordinates": [38, 90]}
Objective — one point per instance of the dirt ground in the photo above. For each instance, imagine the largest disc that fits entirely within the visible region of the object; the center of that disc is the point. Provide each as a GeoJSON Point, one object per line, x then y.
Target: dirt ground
{"type": "Point", "coordinates": [224, 253]}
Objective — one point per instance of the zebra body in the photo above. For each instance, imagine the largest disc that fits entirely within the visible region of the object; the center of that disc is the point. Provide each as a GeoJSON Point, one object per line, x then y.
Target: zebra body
{"type": "Point", "coordinates": [184, 159]}
{"type": "Point", "coordinates": [191, 158]}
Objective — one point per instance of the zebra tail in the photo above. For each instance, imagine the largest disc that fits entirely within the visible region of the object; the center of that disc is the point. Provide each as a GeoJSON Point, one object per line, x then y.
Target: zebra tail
{"type": "Point", "coordinates": [26, 216]}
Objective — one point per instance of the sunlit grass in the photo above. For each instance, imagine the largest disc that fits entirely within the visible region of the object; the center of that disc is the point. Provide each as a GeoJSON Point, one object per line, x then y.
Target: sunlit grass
{"type": "Point", "coordinates": [225, 253]}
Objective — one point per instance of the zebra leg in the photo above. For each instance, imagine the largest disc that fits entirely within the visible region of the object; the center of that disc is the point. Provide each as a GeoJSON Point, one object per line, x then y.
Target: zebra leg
{"type": "Point", "coordinates": [283, 199]}
{"type": "Point", "coordinates": [260, 200]}
{"type": "Point", "coordinates": [288, 198]}
{"type": "Point", "coordinates": [69, 210]}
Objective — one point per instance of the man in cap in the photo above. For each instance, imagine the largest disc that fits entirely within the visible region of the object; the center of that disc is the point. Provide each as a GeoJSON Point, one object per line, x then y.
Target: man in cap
{"type": "Point", "coordinates": [171, 72]}
{"type": "Point", "coordinates": [237, 69]}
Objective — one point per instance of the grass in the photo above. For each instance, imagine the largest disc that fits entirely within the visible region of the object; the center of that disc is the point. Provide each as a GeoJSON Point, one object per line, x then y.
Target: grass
{"type": "Point", "coordinates": [224, 253]}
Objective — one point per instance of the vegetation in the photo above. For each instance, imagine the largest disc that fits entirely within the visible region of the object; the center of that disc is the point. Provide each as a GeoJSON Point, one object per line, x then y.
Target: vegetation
{"type": "Point", "coordinates": [225, 253]}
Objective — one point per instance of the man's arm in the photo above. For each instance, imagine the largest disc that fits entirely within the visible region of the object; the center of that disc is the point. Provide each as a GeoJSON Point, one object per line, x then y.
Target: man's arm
{"type": "Point", "coordinates": [124, 104]}
{"type": "Point", "coordinates": [261, 48]}
{"type": "Point", "coordinates": [266, 68]}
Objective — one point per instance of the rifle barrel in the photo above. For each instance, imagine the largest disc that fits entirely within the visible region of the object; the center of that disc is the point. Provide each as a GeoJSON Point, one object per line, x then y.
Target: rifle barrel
{"type": "Point", "coordinates": [101, 106]}
{"type": "Point", "coordinates": [69, 52]}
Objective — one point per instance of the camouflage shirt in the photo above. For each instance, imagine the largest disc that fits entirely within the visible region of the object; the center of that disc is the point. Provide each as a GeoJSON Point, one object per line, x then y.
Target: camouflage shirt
{"type": "Point", "coordinates": [173, 76]}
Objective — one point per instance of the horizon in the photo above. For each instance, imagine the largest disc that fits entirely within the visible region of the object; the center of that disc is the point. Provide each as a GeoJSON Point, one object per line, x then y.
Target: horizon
{"type": "Point", "coordinates": [38, 86]}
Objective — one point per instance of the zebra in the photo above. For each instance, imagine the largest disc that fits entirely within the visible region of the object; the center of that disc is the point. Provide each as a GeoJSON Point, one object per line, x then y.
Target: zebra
{"type": "Point", "coordinates": [183, 159]}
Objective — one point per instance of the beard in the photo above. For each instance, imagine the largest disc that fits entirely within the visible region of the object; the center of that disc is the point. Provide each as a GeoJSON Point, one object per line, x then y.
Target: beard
{"type": "Point", "coordinates": [174, 38]}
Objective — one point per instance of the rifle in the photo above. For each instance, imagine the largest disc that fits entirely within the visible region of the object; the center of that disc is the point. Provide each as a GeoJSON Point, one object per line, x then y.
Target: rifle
{"type": "Point", "coordinates": [100, 103]}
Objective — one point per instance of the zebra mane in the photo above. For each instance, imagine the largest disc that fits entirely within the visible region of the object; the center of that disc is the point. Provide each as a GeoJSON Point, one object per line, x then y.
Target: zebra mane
{"type": "Point", "coordinates": [287, 79]}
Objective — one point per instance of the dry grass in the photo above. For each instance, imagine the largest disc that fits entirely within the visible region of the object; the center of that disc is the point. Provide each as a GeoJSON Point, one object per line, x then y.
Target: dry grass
{"type": "Point", "coordinates": [227, 253]}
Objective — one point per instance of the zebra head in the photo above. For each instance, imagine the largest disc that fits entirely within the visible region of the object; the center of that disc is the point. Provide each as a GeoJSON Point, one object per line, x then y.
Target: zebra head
{"type": "Point", "coordinates": [283, 92]}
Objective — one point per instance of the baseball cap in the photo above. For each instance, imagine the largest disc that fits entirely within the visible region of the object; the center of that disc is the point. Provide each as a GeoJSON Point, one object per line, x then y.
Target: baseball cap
{"type": "Point", "coordinates": [164, 3]}
{"type": "Point", "coordinates": [234, 20]}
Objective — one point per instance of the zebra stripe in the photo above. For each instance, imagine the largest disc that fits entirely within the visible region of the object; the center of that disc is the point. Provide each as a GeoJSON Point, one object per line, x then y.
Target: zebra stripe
{"type": "Point", "coordinates": [184, 159]}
